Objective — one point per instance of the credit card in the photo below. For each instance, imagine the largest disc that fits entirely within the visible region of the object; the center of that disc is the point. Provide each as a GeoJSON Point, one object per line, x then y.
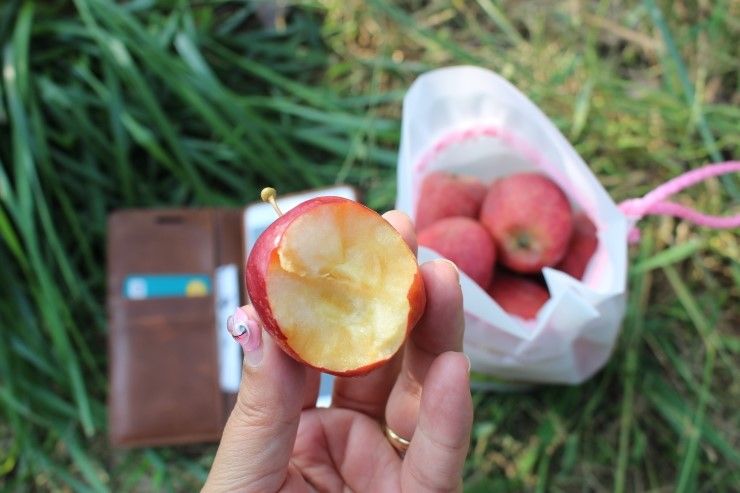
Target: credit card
{"type": "Point", "coordinates": [145, 286]}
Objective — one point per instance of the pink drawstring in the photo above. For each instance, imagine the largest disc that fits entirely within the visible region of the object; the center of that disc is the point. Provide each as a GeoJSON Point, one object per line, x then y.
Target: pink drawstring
{"type": "Point", "coordinates": [655, 202]}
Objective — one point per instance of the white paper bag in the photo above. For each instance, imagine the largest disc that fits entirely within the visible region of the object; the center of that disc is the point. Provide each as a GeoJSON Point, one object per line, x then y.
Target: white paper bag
{"type": "Point", "coordinates": [471, 121]}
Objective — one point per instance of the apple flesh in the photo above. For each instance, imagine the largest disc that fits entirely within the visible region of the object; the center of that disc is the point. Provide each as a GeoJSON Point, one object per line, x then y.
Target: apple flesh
{"type": "Point", "coordinates": [465, 242]}
{"type": "Point", "coordinates": [582, 246]}
{"type": "Point", "coordinates": [530, 220]}
{"type": "Point", "coordinates": [444, 195]}
{"type": "Point", "coordinates": [518, 295]}
{"type": "Point", "coordinates": [335, 285]}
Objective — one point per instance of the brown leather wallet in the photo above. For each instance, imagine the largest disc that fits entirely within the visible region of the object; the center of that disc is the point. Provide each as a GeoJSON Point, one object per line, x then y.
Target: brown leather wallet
{"type": "Point", "coordinates": [164, 369]}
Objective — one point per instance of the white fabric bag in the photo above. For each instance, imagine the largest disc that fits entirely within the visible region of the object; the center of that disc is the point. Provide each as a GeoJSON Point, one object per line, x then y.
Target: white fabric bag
{"type": "Point", "coordinates": [471, 121]}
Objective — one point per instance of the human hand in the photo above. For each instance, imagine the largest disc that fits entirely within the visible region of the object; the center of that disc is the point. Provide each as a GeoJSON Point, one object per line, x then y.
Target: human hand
{"type": "Point", "coordinates": [277, 440]}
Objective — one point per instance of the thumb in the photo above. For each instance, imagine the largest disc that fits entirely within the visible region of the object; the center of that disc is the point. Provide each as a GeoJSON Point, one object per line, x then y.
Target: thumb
{"type": "Point", "coordinates": [259, 436]}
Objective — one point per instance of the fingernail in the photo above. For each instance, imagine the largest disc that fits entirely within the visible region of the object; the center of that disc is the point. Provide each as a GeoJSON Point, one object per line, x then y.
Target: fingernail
{"type": "Point", "coordinates": [469, 364]}
{"type": "Point", "coordinates": [248, 333]}
{"type": "Point", "coordinates": [457, 271]}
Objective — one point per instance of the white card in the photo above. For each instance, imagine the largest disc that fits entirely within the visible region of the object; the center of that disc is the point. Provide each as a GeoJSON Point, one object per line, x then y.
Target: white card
{"type": "Point", "coordinates": [229, 352]}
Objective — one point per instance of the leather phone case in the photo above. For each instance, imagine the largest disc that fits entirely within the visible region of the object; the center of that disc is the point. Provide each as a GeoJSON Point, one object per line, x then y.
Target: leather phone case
{"type": "Point", "coordinates": [163, 352]}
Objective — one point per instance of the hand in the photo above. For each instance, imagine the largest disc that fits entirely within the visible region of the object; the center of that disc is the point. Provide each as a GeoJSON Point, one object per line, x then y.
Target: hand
{"type": "Point", "coordinates": [277, 440]}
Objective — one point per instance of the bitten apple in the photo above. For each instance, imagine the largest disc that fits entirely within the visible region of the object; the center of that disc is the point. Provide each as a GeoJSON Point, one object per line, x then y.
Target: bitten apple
{"type": "Point", "coordinates": [445, 195]}
{"type": "Point", "coordinates": [335, 285]}
{"type": "Point", "coordinates": [582, 246]}
{"type": "Point", "coordinates": [530, 220]}
{"type": "Point", "coordinates": [466, 243]}
{"type": "Point", "coordinates": [518, 295]}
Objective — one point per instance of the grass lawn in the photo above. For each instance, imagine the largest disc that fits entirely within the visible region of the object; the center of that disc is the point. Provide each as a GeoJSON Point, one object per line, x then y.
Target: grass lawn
{"type": "Point", "coordinates": [105, 105]}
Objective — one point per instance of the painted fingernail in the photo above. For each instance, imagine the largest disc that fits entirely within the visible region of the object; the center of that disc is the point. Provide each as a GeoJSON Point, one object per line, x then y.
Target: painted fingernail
{"type": "Point", "coordinates": [248, 333]}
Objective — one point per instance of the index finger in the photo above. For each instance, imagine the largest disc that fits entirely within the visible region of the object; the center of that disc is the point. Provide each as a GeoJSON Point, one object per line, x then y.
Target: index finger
{"type": "Point", "coordinates": [435, 458]}
{"type": "Point", "coordinates": [440, 330]}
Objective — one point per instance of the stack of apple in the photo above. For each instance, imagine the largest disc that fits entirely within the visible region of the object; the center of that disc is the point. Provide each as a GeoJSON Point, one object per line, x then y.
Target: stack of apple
{"type": "Point", "coordinates": [502, 235]}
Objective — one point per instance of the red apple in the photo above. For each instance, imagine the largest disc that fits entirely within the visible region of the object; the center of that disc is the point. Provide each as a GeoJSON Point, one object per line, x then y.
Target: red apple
{"type": "Point", "coordinates": [530, 220]}
{"type": "Point", "coordinates": [582, 246]}
{"type": "Point", "coordinates": [466, 243]}
{"type": "Point", "coordinates": [335, 285]}
{"type": "Point", "coordinates": [518, 295]}
{"type": "Point", "coordinates": [445, 195]}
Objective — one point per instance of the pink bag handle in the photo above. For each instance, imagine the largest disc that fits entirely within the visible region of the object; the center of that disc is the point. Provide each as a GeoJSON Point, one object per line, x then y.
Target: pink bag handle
{"type": "Point", "coordinates": [655, 203]}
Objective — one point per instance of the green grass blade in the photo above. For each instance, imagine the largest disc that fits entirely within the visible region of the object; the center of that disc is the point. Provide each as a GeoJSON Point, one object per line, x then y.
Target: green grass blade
{"type": "Point", "coordinates": [9, 236]}
{"type": "Point", "coordinates": [687, 473]}
{"type": "Point", "coordinates": [500, 19]}
{"type": "Point", "coordinates": [640, 291]}
{"type": "Point", "coordinates": [690, 94]}
{"type": "Point", "coordinates": [669, 256]}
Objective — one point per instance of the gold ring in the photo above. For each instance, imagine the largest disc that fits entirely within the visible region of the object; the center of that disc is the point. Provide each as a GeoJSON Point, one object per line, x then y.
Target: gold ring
{"type": "Point", "coordinates": [397, 442]}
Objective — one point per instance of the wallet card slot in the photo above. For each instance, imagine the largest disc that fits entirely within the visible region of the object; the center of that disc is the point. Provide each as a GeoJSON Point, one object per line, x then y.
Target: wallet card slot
{"type": "Point", "coordinates": [162, 309]}
{"type": "Point", "coordinates": [169, 219]}
{"type": "Point", "coordinates": [164, 379]}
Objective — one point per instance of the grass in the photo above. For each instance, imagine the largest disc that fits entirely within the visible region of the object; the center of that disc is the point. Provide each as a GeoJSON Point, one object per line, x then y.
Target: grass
{"type": "Point", "coordinates": [107, 105]}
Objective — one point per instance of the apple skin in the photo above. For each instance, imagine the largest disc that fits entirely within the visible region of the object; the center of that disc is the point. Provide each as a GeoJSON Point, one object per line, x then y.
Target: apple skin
{"type": "Point", "coordinates": [582, 246]}
{"type": "Point", "coordinates": [265, 251]}
{"type": "Point", "coordinates": [530, 220]}
{"type": "Point", "coordinates": [445, 195]}
{"type": "Point", "coordinates": [465, 242]}
{"type": "Point", "coordinates": [518, 295]}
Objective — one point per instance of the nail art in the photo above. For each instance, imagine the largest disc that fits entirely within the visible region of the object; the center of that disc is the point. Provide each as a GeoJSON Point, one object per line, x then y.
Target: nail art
{"type": "Point", "coordinates": [248, 333]}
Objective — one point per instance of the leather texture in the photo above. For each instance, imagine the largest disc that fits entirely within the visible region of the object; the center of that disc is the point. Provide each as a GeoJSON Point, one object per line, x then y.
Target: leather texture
{"type": "Point", "coordinates": [164, 384]}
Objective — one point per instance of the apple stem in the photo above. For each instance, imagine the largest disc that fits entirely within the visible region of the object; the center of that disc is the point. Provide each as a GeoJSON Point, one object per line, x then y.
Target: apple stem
{"type": "Point", "coordinates": [268, 195]}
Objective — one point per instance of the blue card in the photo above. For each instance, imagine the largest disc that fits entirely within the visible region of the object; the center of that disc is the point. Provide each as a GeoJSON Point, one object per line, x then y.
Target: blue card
{"type": "Point", "coordinates": [144, 286]}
